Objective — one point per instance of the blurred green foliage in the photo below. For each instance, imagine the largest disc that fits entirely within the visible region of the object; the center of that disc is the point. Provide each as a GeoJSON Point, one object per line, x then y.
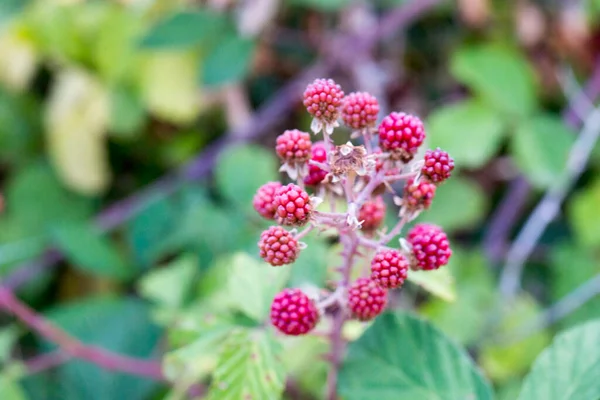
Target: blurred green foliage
{"type": "Point", "coordinates": [100, 98]}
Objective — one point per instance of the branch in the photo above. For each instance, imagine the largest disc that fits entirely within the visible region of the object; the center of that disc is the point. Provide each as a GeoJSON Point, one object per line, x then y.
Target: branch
{"type": "Point", "coordinates": [507, 213]}
{"type": "Point", "coordinates": [565, 306]}
{"type": "Point", "coordinates": [70, 346]}
{"type": "Point", "coordinates": [549, 206]}
{"type": "Point", "coordinates": [336, 339]}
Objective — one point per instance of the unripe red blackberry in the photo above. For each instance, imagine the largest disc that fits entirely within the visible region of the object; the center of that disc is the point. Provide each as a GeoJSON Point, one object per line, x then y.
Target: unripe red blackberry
{"type": "Point", "coordinates": [431, 248]}
{"type": "Point", "coordinates": [401, 134]}
{"type": "Point", "coordinates": [372, 214]}
{"type": "Point", "coordinates": [418, 196]}
{"type": "Point", "coordinates": [263, 199]}
{"type": "Point", "coordinates": [292, 205]}
{"type": "Point", "coordinates": [293, 312]}
{"type": "Point", "coordinates": [437, 165]}
{"type": "Point", "coordinates": [293, 146]}
{"type": "Point", "coordinates": [359, 110]}
{"type": "Point", "coordinates": [366, 299]}
{"type": "Point", "coordinates": [316, 174]}
{"type": "Point", "coordinates": [389, 269]}
{"type": "Point", "coordinates": [323, 99]}
{"type": "Point", "coordinates": [278, 246]}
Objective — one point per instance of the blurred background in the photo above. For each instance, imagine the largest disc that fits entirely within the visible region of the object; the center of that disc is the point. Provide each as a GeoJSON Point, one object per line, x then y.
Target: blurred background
{"type": "Point", "coordinates": [134, 133]}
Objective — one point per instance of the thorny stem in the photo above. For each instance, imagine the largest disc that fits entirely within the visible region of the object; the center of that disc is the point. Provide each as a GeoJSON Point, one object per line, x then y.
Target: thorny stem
{"type": "Point", "coordinates": [393, 178]}
{"type": "Point", "coordinates": [395, 230]}
{"type": "Point", "coordinates": [73, 347]}
{"type": "Point", "coordinates": [337, 342]}
{"type": "Point", "coordinates": [304, 232]}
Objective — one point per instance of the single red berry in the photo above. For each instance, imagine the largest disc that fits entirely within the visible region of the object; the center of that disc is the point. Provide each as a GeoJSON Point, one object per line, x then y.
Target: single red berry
{"type": "Point", "coordinates": [366, 299]}
{"type": "Point", "coordinates": [359, 110]}
{"type": "Point", "coordinates": [372, 213]}
{"type": "Point", "coordinates": [263, 199]}
{"type": "Point", "coordinates": [438, 165]}
{"type": "Point", "coordinates": [389, 269]}
{"type": "Point", "coordinates": [294, 146]}
{"type": "Point", "coordinates": [292, 205]}
{"type": "Point", "coordinates": [401, 134]}
{"type": "Point", "coordinates": [278, 247]}
{"type": "Point", "coordinates": [431, 248]}
{"type": "Point", "coordinates": [323, 99]}
{"type": "Point", "coordinates": [418, 196]}
{"type": "Point", "coordinates": [316, 174]}
{"type": "Point", "coordinates": [293, 312]}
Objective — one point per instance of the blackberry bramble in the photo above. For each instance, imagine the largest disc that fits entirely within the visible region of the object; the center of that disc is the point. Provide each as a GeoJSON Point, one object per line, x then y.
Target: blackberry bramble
{"type": "Point", "coordinates": [351, 178]}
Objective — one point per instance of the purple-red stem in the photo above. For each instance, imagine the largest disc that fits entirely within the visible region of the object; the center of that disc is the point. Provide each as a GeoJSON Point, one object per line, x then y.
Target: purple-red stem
{"type": "Point", "coordinates": [73, 347]}
{"type": "Point", "coordinates": [335, 338]}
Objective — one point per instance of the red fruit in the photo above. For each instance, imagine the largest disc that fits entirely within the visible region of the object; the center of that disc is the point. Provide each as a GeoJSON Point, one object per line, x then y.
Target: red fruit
{"type": "Point", "coordinates": [418, 196]}
{"type": "Point", "coordinates": [431, 248]}
{"type": "Point", "coordinates": [293, 312]}
{"type": "Point", "coordinates": [359, 110]}
{"type": "Point", "coordinates": [294, 146]}
{"type": "Point", "coordinates": [401, 134]}
{"type": "Point", "coordinates": [366, 299]}
{"type": "Point", "coordinates": [316, 174]}
{"type": "Point", "coordinates": [323, 98]}
{"type": "Point", "coordinates": [372, 214]}
{"type": "Point", "coordinates": [278, 247]}
{"type": "Point", "coordinates": [292, 205]}
{"type": "Point", "coordinates": [438, 165]}
{"type": "Point", "coordinates": [389, 269]}
{"type": "Point", "coordinates": [263, 199]}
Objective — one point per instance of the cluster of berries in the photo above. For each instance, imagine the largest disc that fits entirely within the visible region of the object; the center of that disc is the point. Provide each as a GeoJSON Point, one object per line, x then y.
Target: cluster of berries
{"type": "Point", "coordinates": [358, 174]}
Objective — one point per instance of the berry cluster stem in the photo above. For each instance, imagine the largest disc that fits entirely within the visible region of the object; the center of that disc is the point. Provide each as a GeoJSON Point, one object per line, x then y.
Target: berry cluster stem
{"type": "Point", "coordinates": [350, 243]}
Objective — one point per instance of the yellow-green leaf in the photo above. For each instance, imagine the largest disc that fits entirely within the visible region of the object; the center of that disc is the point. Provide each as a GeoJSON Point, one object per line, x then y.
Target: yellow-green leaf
{"type": "Point", "coordinates": [438, 282]}
{"type": "Point", "coordinates": [77, 117]}
{"type": "Point", "coordinates": [169, 86]}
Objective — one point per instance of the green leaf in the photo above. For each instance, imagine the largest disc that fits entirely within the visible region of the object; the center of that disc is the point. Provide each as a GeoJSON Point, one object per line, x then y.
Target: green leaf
{"type": "Point", "coordinates": [582, 212]}
{"type": "Point", "coordinates": [153, 225]}
{"type": "Point", "coordinates": [90, 251]}
{"type": "Point", "coordinates": [78, 113]}
{"type": "Point", "coordinates": [253, 284]}
{"type": "Point", "coordinates": [470, 131]}
{"type": "Point", "coordinates": [193, 362]}
{"type": "Point", "coordinates": [241, 170]}
{"type": "Point", "coordinates": [323, 5]}
{"type": "Point", "coordinates": [185, 29]}
{"type": "Point", "coordinates": [438, 282]}
{"type": "Point", "coordinates": [506, 357]}
{"type": "Point", "coordinates": [8, 338]}
{"type": "Point", "coordinates": [24, 191]}
{"type": "Point", "coordinates": [540, 147]}
{"type": "Point", "coordinates": [248, 368]}
{"type": "Point", "coordinates": [572, 266]}
{"type": "Point", "coordinates": [311, 265]}
{"type": "Point", "coordinates": [127, 112]}
{"type": "Point", "coordinates": [569, 368]}
{"type": "Point", "coordinates": [11, 390]}
{"type": "Point", "coordinates": [170, 96]}
{"type": "Point", "coordinates": [403, 357]}
{"type": "Point", "coordinates": [444, 210]}
{"type": "Point", "coordinates": [170, 286]}
{"type": "Point", "coordinates": [499, 74]}
{"type": "Point", "coordinates": [229, 61]}
{"type": "Point", "coordinates": [120, 325]}
{"type": "Point", "coordinates": [465, 318]}
{"type": "Point", "coordinates": [303, 359]}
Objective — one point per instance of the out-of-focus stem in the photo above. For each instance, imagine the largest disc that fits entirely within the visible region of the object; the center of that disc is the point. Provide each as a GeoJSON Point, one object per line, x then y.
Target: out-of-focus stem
{"type": "Point", "coordinates": [337, 342]}
{"type": "Point", "coordinates": [73, 347]}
